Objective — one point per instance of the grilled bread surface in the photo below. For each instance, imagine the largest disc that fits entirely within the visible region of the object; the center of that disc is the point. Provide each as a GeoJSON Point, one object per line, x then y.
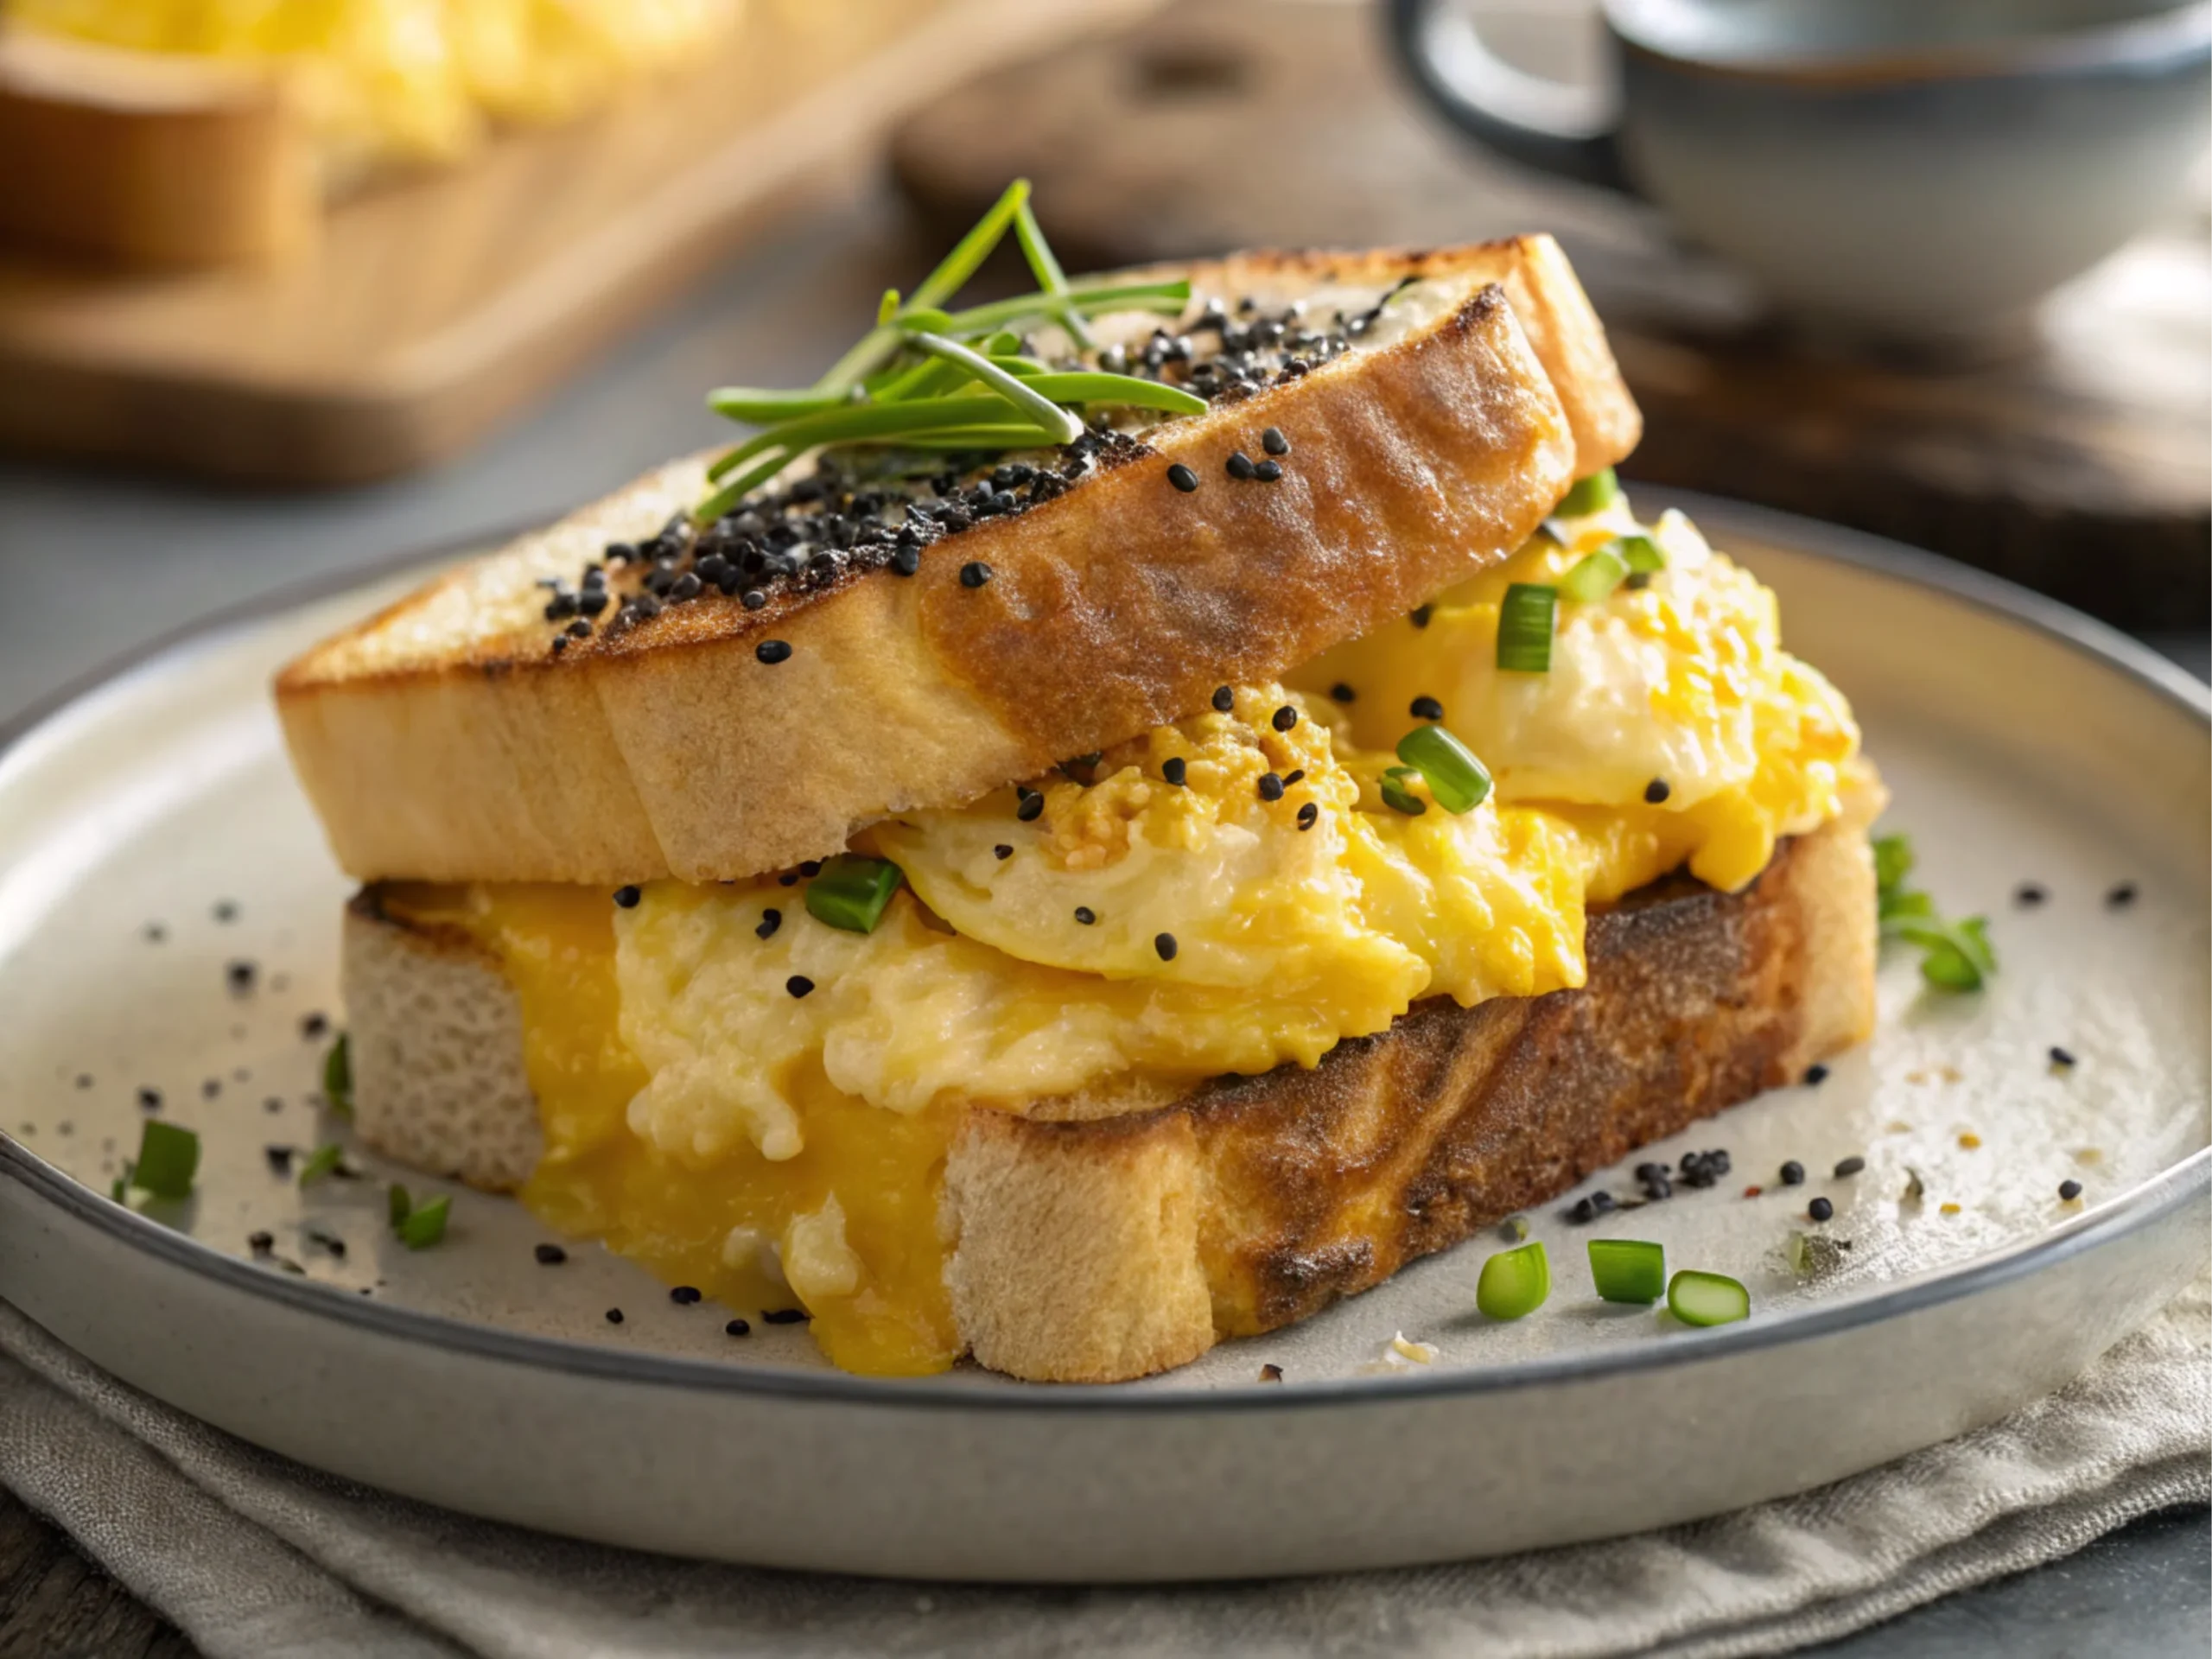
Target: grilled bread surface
{"type": "Point", "coordinates": [1109, 1248]}
{"type": "Point", "coordinates": [449, 739]}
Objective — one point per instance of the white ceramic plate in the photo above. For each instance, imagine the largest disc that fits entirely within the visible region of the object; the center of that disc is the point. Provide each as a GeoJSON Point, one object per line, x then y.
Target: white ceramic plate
{"type": "Point", "coordinates": [2023, 743]}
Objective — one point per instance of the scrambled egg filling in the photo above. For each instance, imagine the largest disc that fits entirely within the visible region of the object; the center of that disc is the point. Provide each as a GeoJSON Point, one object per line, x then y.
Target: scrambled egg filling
{"type": "Point", "coordinates": [757, 1102]}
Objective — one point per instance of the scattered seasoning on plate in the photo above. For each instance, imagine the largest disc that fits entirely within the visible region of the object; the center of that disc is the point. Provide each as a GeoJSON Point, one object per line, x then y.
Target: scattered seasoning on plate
{"type": "Point", "coordinates": [628, 897]}
{"type": "Point", "coordinates": [1793, 1173]}
{"type": "Point", "coordinates": [280, 1160]}
{"type": "Point", "coordinates": [1753, 1191]}
{"type": "Point", "coordinates": [84, 1079]}
{"type": "Point", "coordinates": [153, 932]}
{"type": "Point", "coordinates": [1182, 478]}
{"type": "Point", "coordinates": [2061, 1059]}
{"type": "Point", "coordinates": [2029, 894]}
{"type": "Point", "coordinates": [1513, 1229]}
{"type": "Point", "coordinates": [149, 1100]}
{"type": "Point", "coordinates": [615, 1316]}
{"type": "Point", "coordinates": [1946, 1208]}
{"type": "Point", "coordinates": [786, 1316]}
{"type": "Point", "coordinates": [261, 1243]}
{"type": "Point", "coordinates": [1819, 1209]}
{"type": "Point", "coordinates": [210, 1087]}
{"type": "Point", "coordinates": [2069, 1190]}
{"type": "Point", "coordinates": [739, 1328]}
{"type": "Point", "coordinates": [226, 910]}
{"type": "Point", "coordinates": [315, 1025]}
{"type": "Point", "coordinates": [1969, 1140]}
{"type": "Point", "coordinates": [1658, 1184]}
{"type": "Point", "coordinates": [1849, 1166]}
{"type": "Point", "coordinates": [2120, 896]}
{"type": "Point", "coordinates": [1815, 1075]}
{"type": "Point", "coordinates": [1270, 1373]}
{"type": "Point", "coordinates": [685, 1295]}
{"type": "Point", "coordinates": [550, 1256]}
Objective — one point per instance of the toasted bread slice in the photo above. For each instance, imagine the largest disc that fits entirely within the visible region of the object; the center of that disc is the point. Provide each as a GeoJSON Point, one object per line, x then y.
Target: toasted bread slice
{"type": "Point", "coordinates": [1110, 1248]}
{"type": "Point", "coordinates": [460, 736]}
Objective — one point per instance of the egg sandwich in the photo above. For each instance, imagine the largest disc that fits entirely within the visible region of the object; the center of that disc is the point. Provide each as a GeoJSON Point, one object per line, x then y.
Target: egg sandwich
{"type": "Point", "coordinates": [1117, 818]}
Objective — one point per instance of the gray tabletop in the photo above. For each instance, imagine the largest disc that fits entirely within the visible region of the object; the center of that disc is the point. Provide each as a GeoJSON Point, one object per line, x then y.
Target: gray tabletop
{"type": "Point", "coordinates": [93, 567]}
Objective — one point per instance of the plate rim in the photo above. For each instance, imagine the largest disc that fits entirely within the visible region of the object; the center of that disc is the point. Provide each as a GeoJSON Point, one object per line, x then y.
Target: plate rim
{"type": "Point", "coordinates": [2177, 1186]}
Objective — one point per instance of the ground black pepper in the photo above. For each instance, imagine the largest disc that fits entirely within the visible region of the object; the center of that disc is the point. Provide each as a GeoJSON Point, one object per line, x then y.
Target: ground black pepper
{"type": "Point", "coordinates": [550, 1256]}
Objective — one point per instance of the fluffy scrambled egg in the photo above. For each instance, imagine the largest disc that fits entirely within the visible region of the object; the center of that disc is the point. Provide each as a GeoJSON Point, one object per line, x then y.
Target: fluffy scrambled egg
{"type": "Point", "coordinates": [757, 1102]}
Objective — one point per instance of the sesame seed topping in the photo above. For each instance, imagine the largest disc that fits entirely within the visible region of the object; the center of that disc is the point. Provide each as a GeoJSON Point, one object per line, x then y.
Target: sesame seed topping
{"type": "Point", "coordinates": [1296, 775]}
{"type": "Point", "coordinates": [2069, 1190]}
{"type": "Point", "coordinates": [1815, 1075]}
{"type": "Point", "coordinates": [615, 1316]}
{"type": "Point", "coordinates": [1268, 472]}
{"type": "Point", "coordinates": [627, 897]}
{"type": "Point", "coordinates": [1657, 791]}
{"type": "Point", "coordinates": [1793, 1173]}
{"type": "Point", "coordinates": [738, 1328]}
{"type": "Point", "coordinates": [1029, 804]}
{"type": "Point", "coordinates": [684, 1295]}
{"type": "Point", "coordinates": [771, 920]}
{"type": "Point", "coordinates": [550, 1256]}
{"type": "Point", "coordinates": [2029, 894]}
{"type": "Point", "coordinates": [2121, 896]}
{"type": "Point", "coordinates": [1420, 614]}
{"type": "Point", "coordinates": [1270, 786]}
{"type": "Point", "coordinates": [1164, 943]}
{"type": "Point", "coordinates": [1308, 815]}
{"type": "Point", "coordinates": [1270, 1373]}
{"type": "Point", "coordinates": [798, 985]}
{"type": "Point", "coordinates": [1273, 443]}
{"type": "Point", "coordinates": [1002, 852]}
{"type": "Point", "coordinates": [786, 1316]}
{"type": "Point", "coordinates": [1426, 708]}
{"type": "Point", "coordinates": [1849, 1168]}
{"type": "Point", "coordinates": [1240, 465]}
{"type": "Point", "coordinates": [772, 650]}
{"type": "Point", "coordinates": [1819, 1209]}
{"type": "Point", "coordinates": [149, 1100]}
{"type": "Point", "coordinates": [1085, 914]}
{"type": "Point", "coordinates": [1284, 718]}
{"type": "Point", "coordinates": [1175, 770]}
{"type": "Point", "coordinates": [974, 574]}
{"type": "Point", "coordinates": [1342, 693]}
{"type": "Point", "coordinates": [261, 1243]}
{"type": "Point", "coordinates": [1182, 478]}
{"type": "Point", "coordinates": [904, 562]}
{"type": "Point", "coordinates": [1223, 699]}
{"type": "Point", "coordinates": [753, 599]}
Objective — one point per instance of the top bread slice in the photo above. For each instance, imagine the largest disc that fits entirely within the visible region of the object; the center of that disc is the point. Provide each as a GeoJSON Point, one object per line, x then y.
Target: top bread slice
{"type": "Point", "coordinates": [450, 738]}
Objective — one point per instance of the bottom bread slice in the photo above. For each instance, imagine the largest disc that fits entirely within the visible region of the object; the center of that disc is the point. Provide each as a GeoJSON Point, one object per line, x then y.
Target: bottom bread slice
{"type": "Point", "coordinates": [1107, 1249]}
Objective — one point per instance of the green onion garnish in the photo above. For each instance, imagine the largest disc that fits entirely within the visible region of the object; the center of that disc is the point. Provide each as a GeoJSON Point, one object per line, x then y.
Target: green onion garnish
{"type": "Point", "coordinates": [397, 1205]}
{"type": "Point", "coordinates": [1515, 1282]}
{"type": "Point", "coordinates": [852, 892]}
{"type": "Point", "coordinates": [168, 1157]}
{"type": "Point", "coordinates": [1594, 576]}
{"type": "Point", "coordinates": [1459, 782]}
{"type": "Point", "coordinates": [1592, 494]}
{"type": "Point", "coordinates": [1893, 861]}
{"type": "Point", "coordinates": [1639, 553]}
{"type": "Point", "coordinates": [1524, 627]}
{"type": "Point", "coordinates": [423, 1225]}
{"type": "Point", "coordinates": [322, 1162]}
{"type": "Point", "coordinates": [338, 1076]}
{"type": "Point", "coordinates": [121, 1190]}
{"type": "Point", "coordinates": [1628, 1269]}
{"type": "Point", "coordinates": [1707, 1298]}
{"type": "Point", "coordinates": [1397, 796]}
{"type": "Point", "coordinates": [1954, 955]}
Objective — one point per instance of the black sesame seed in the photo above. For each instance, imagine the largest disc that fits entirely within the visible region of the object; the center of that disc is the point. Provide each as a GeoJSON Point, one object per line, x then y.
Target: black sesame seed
{"type": "Point", "coordinates": [1002, 852]}
{"type": "Point", "coordinates": [240, 975]}
{"type": "Point", "coordinates": [280, 1160]}
{"type": "Point", "coordinates": [2028, 895]}
{"type": "Point", "coordinates": [1420, 614]}
{"type": "Point", "coordinates": [809, 868]}
{"type": "Point", "coordinates": [786, 1316]}
{"type": "Point", "coordinates": [1182, 478]}
{"type": "Point", "coordinates": [149, 1100]}
{"type": "Point", "coordinates": [1849, 1168]}
{"type": "Point", "coordinates": [1793, 1173]}
{"type": "Point", "coordinates": [1223, 699]}
{"type": "Point", "coordinates": [1426, 708]}
{"type": "Point", "coordinates": [1819, 1209]}
{"type": "Point", "coordinates": [686, 586]}
{"type": "Point", "coordinates": [226, 910]}
{"type": "Point", "coordinates": [753, 599]}
{"type": "Point", "coordinates": [974, 574]}
{"type": "Point", "coordinates": [1584, 1210]}
{"type": "Point", "coordinates": [1815, 1075]}
{"type": "Point", "coordinates": [1240, 465]}
{"type": "Point", "coordinates": [771, 920]}
{"type": "Point", "coordinates": [578, 629]}
{"type": "Point", "coordinates": [1270, 786]}
{"type": "Point", "coordinates": [593, 600]}
{"type": "Point", "coordinates": [615, 1316]}
{"type": "Point", "coordinates": [261, 1243]}
{"type": "Point", "coordinates": [2070, 1190]}
{"type": "Point", "coordinates": [211, 1087]}
{"type": "Point", "coordinates": [2121, 896]}
{"type": "Point", "coordinates": [772, 650]}
{"type": "Point", "coordinates": [1308, 815]}
{"type": "Point", "coordinates": [1342, 693]}
{"type": "Point", "coordinates": [1175, 770]}
{"type": "Point", "coordinates": [738, 1328]}
{"type": "Point", "coordinates": [1657, 791]}
{"type": "Point", "coordinates": [1284, 718]}
{"type": "Point", "coordinates": [1164, 943]}
{"type": "Point", "coordinates": [2061, 1058]}
{"type": "Point", "coordinates": [1273, 443]}
{"type": "Point", "coordinates": [560, 644]}
{"type": "Point", "coordinates": [904, 562]}
{"type": "Point", "coordinates": [84, 1079]}
{"type": "Point", "coordinates": [550, 1256]}
{"type": "Point", "coordinates": [154, 932]}
{"type": "Point", "coordinates": [1029, 804]}
{"type": "Point", "coordinates": [1268, 471]}
{"type": "Point", "coordinates": [798, 985]}
{"type": "Point", "coordinates": [1085, 914]}
{"type": "Point", "coordinates": [628, 897]}
{"type": "Point", "coordinates": [684, 1295]}
{"type": "Point", "coordinates": [1295, 775]}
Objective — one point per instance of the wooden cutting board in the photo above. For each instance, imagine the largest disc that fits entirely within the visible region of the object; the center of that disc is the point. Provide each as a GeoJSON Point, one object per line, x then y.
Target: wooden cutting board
{"type": "Point", "coordinates": [2079, 461]}
{"type": "Point", "coordinates": [431, 306]}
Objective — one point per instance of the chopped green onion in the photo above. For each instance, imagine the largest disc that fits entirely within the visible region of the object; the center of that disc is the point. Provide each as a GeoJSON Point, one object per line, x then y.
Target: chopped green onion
{"type": "Point", "coordinates": [1957, 956]}
{"type": "Point", "coordinates": [1524, 627]}
{"type": "Point", "coordinates": [1046, 269]}
{"type": "Point", "coordinates": [1640, 553]}
{"type": "Point", "coordinates": [1898, 909]}
{"type": "Point", "coordinates": [424, 1225]}
{"type": "Point", "coordinates": [338, 1076]}
{"type": "Point", "coordinates": [397, 1205]}
{"type": "Point", "coordinates": [852, 892]}
{"type": "Point", "coordinates": [758, 407]}
{"type": "Point", "coordinates": [168, 1157]}
{"type": "Point", "coordinates": [1397, 796]}
{"type": "Point", "coordinates": [1707, 1298]}
{"type": "Point", "coordinates": [1124, 391]}
{"type": "Point", "coordinates": [322, 1162]}
{"type": "Point", "coordinates": [1594, 576]}
{"type": "Point", "coordinates": [1459, 782]}
{"type": "Point", "coordinates": [1590, 495]}
{"type": "Point", "coordinates": [1893, 861]}
{"type": "Point", "coordinates": [1628, 1269]}
{"type": "Point", "coordinates": [1514, 1283]}
{"type": "Point", "coordinates": [967, 254]}
{"type": "Point", "coordinates": [967, 439]}
{"type": "Point", "coordinates": [121, 1191]}
{"type": "Point", "coordinates": [1091, 301]}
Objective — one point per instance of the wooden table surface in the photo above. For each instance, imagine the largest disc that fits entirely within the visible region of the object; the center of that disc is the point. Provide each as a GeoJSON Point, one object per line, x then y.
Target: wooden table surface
{"type": "Point", "coordinates": [175, 553]}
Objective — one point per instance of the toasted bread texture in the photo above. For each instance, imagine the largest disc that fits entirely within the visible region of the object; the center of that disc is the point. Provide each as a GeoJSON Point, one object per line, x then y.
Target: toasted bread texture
{"type": "Point", "coordinates": [447, 740]}
{"type": "Point", "coordinates": [1107, 1247]}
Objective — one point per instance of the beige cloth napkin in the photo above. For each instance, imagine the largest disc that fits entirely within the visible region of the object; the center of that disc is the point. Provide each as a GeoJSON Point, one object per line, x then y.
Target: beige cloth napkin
{"type": "Point", "coordinates": [253, 1556]}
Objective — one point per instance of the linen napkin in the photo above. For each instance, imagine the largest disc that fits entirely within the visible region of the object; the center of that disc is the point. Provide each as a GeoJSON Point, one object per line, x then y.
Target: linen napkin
{"type": "Point", "coordinates": [252, 1555]}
